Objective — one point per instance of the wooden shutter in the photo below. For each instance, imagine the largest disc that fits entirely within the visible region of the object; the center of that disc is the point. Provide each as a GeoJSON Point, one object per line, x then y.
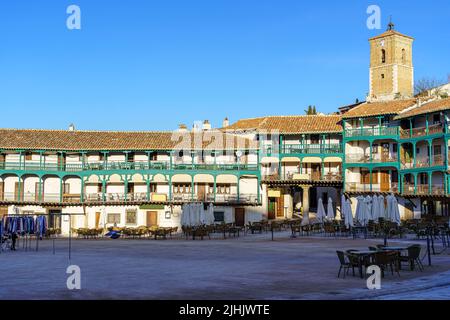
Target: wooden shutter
{"type": "Point", "coordinates": [16, 191]}
{"type": "Point", "coordinates": [2, 189]}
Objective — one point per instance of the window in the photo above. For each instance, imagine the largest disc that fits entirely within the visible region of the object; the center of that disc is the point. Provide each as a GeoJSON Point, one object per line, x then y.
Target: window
{"type": "Point", "coordinates": [219, 216]}
{"type": "Point", "coordinates": [365, 177]}
{"type": "Point", "coordinates": [417, 150]}
{"type": "Point", "coordinates": [436, 119]}
{"type": "Point", "coordinates": [28, 156]}
{"type": "Point", "coordinates": [153, 156]}
{"type": "Point", "coordinates": [315, 139]}
{"type": "Point", "coordinates": [181, 188]}
{"type": "Point", "coordinates": [131, 217]}
{"type": "Point", "coordinates": [66, 188]}
{"type": "Point", "coordinates": [437, 150]}
{"type": "Point", "coordinates": [394, 148]}
{"type": "Point", "coordinates": [113, 218]}
{"type": "Point", "coordinates": [382, 76]}
{"type": "Point", "coordinates": [383, 56]}
{"type": "Point", "coordinates": [375, 148]}
{"type": "Point", "coordinates": [403, 55]}
{"type": "Point", "coordinates": [152, 187]}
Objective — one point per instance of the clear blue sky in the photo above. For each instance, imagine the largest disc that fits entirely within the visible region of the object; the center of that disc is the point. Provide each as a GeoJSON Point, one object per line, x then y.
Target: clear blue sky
{"type": "Point", "coordinates": [149, 65]}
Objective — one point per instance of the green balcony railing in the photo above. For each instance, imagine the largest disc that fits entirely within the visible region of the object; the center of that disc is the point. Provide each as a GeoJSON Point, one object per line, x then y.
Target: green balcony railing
{"type": "Point", "coordinates": [369, 132]}
{"type": "Point", "coordinates": [114, 166]}
{"type": "Point", "coordinates": [332, 148]}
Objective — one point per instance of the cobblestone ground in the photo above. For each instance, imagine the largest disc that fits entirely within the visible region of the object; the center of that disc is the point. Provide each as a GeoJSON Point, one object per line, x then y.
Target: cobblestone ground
{"type": "Point", "coordinates": [248, 267]}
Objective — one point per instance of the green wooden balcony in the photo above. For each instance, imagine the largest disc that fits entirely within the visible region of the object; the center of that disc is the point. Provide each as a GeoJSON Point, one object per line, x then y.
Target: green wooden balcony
{"type": "Point", "coordinates": [382, 132]}
{"type": "Point", "coordinates": [333, 148]}
{"type": "Point", "coordinates": [117, 166]}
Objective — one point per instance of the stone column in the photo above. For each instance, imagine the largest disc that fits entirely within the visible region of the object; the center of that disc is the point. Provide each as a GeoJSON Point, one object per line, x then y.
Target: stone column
{"type": "Point", "coordinates": [305, 204]}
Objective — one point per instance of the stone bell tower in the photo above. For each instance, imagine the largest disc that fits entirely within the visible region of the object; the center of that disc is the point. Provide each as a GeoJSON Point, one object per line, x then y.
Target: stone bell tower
{"type": "Point", "coordinates": [391, 66]}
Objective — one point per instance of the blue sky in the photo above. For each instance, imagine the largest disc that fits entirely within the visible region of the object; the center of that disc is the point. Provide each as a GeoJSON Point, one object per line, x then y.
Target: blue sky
{"type": "Point", "coordinates": [152, 64]}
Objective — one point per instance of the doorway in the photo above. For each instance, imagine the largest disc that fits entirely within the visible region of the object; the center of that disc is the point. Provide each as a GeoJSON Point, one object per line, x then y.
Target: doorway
{"type": "Point", "coordinates": [384, 181]}
{"type": "Point", "coordinates": [272, 208]}
{"type": "Point", "coordinates": [152, 218]}
{"type": "Point", "coordinates": [239, 217]}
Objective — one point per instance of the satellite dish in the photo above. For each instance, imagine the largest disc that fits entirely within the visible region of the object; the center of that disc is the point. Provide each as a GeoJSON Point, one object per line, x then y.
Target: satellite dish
{"type": "Point", "coordinates": [239, 153]}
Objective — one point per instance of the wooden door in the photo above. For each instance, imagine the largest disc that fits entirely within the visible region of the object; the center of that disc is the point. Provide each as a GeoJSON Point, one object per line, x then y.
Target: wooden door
{"type": "Point", "coordinates": [97, 219]}
{"type": "Point", "coordinates": [316, 172]}
{"type": "Point", "coordinates": [16, 191]}
{"type": "Point", "coordinates": [280, 206]}
{"type": "Point", "coordinates": [272, 209]}
{"type": "Point", "coordinates": [385, 181]}
{"type": "Point", "coordinates": [239, 217]}
{"type": "Point", "coordinates": [152, 218]}
{"type": "Point", "coordinates": [201, 191]}
{"type": "Point", "coordinates": [385, 152]}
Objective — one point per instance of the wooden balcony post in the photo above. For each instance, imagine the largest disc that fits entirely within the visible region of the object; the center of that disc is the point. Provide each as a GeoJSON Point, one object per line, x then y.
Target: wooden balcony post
{"type": "Point", "coordinates": [82, 190]}
{"type": "Point", "coordinates": [430, 177]}
{"type": "Point", "coordinates": [104, 189]}
{"type": "Point", "coordinates": [147, 181]}
{"type": "Point", "coordinates": [214, 188]}
{"type": "Point", "coordinates": [126, 187]}
{"type": "Point", "coordinates": [427, 129]}
{"type": "Point", "coordinates": [379, 126]}
{"type": "Point", "coordinates": [410, 128]}
{"type": "Point", "coordinates": [414, 154]}
{"type": "Point", "coordinates": [370, 179]}
{"type": "Point", "coordinates": [61, 189]}
{"type": "Point", "coordinates": [415, 182]}
{"type": "Point", "coordinates": [258, 192]}
{"type": "Point", "coordinates": [430, 156]}
{"type": "Point", "coordinates": [238, 188]}
{"type": "Point", "coordinates": [192, 188]}
{"type": "Point", "coordinates": [40, 189]}
{"type": "Point", "coordinates": [170, 187]}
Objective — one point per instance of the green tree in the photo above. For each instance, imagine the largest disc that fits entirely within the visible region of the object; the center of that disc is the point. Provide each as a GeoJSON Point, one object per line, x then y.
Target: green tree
{"type": "Point", "coordinates": [311, 110]}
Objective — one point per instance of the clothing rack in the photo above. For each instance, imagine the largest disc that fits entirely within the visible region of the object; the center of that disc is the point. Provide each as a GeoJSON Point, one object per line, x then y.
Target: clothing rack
{"type": "Point", "coordinates": [27, 245]}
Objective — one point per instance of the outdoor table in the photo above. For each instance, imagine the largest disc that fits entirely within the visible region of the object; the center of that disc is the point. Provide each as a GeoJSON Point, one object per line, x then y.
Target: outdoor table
{"type": "Point", "coordinates": [361, 254]}
{"type": "Point", "coordinates": [358, 230]}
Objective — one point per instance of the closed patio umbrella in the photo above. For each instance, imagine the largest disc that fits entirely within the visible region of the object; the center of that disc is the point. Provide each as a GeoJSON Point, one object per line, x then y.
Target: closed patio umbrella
{"type": "Point", "coordinates": [348, 214]}
{"type": "Point", "coordinates": [390, 208]}
{"type": "Point", "coordinates": [381, 207]}
{"type": "Point", "coordinates": [368, 201]}
{"type": "Point", "coordinates": [211, 218]}
{"type": "Point", "coordinates": [359, 209]}
{"type": "Point", "coordinates": [375, 208]}
{"type": "Point", "coordinates": [396, 212]}
{"type": "Point", "coordinates": [343, 204]}
{"type": "Point", "coordinates": [330, 210]}
{"type": "Point", "coordinates": [320, 211]}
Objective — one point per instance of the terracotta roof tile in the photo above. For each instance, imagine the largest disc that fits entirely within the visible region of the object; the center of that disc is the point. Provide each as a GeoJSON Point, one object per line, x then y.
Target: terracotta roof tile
{"type": "Point", "coordinates": [118, 140]}
{"type": "Point", "coordinates": [370, 109]}
{"type": "Point", "coordinates": [290, 124]}
{"type": "Point", "coordinates": [433, 106]}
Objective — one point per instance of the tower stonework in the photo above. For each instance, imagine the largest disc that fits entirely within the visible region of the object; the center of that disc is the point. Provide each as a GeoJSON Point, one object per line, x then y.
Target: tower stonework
{"type": "Point", "coordinates": [391, 66]}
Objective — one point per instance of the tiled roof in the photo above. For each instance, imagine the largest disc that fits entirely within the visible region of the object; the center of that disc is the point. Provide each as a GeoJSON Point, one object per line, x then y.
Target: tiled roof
{"type": "Point", "coordinates": [390, 33]}
{"type": "Point", "coordinates": [433, 106]}
{"type": "Point", "coordinates": [371, 109]}
{"type": "Point", "coordinates": [290, 124]}
{"type": "Point", "coordinates": [118, 140]}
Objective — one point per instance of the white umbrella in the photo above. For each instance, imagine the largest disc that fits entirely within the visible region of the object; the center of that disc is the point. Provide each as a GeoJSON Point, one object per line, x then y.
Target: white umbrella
{"type": "Point", "coordinates": [381, 207]}
{"type": "Point", "coordinates": [375, 208]}
{"type": "Point", "coordinates": [368, 201]}
{"type": "Point", "coordinates": [320, 211]}
{"type": "Point", "coordinates": [343, 204]}
{"type": "Point", "coordinates": [184, 215]}
{"type": "Point", "coordinates": [211, 218]}
{"type": "Point", "coordinates": [202, 216]}
{"type": "Point", "coordinates": [359, 208]}
{"type": "Point", "coordinates": [330, 210]}
{"type": "Point", "coordinates": [395, 211]}
{"type": "Point", "coordinates": [348, 215]}
{"type": "Point", "coordinates": [390, 208]}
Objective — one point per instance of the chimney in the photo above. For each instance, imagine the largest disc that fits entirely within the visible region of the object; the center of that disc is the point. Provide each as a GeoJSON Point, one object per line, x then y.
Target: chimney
{"type": "Point", "coordinates": [71, 127]}
{"type": "Point", "coordinates": [206, 125]}
{"type": "Point", "coordinates": [225, 123]}
{"type": "Point", "coordinates": [197, 126]}
{"type": "Point", "coordinates": [182, 127]}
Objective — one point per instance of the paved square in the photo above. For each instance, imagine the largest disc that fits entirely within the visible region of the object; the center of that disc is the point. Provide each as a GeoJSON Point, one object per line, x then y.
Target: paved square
{"type": "Point", "coordinates": [249, 267]}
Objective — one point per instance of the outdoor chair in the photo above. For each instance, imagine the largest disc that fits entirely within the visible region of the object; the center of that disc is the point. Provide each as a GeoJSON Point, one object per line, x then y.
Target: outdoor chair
{"type": "Point", "coordinates": [385, 260]}
{"type": "Point", "coordinates": [345, 263]}
{"type": "Point", "coordinates": [413, 257]}
{"type": "Point", "coordinates": [373, 248]}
